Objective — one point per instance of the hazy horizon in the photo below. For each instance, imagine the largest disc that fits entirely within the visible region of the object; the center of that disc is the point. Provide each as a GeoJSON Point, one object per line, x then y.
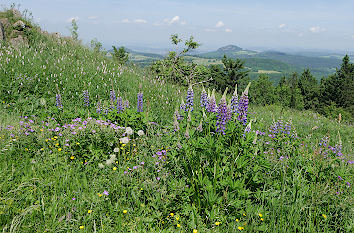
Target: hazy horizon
{"type": "Point", "coordinates": [301, 25]}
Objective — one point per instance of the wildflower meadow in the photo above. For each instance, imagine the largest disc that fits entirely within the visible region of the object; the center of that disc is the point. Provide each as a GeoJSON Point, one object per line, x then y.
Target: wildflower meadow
{"type": "Point", "coordinates": [91, 145]}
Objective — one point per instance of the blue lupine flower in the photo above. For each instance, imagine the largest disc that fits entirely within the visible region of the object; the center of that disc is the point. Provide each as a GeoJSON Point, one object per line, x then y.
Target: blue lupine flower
{"type": "Point", "coordinates": [222, 115]}
{"type": "Point", "coordinates": [58, 101]}
{"type": "Point", "coordinates": [140, 102]}
{"type": "Point", "coordinates": [120, 107]}
{"type": "Point", "coordinates": [86, 98]}
{"type": "Point", "coordinates": [211, 102]}
{"type": "Point", "coordinates": [190, 99]}
{"type": "Point", "coordinates": [243, 106]}
{"type": "Point", "coordinates": [203, 98]}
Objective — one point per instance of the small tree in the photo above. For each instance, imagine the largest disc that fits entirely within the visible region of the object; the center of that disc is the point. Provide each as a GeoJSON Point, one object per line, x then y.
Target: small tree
{"type": "Point", "coordinates": [120, 55]}
{"type": "Point", "coordinates": [175, 68]}
{"type": "Point", "coordinates": [73, 29]}
{"type": "Point", "coordinates": [96, 45]}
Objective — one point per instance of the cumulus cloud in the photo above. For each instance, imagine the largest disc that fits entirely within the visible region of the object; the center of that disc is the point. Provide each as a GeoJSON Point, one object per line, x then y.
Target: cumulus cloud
{"type": "Point", "coordinates": [140, 21]}
{"type": "Point", "coordinates": [282, 25]}
{"type": "Point", "coordinates": [317, 29]}
{"type": "Point", "coordinates": [228, 30]}
{"type": "Point", "coordinates": [69, 20]}
{"type": "Point", "coordinates": [174, 19]}
{"type": "Point", "coordinates": [219, 24]}
{"type": "Point", "coordinates": [125, 21]}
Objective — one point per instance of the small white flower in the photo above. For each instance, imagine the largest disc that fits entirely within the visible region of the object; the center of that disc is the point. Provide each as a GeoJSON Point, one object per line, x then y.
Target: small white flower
{"type": "Point", "coordinates": [140, 133]}
{"type": "Point", "coordinates": [109, 162]}
{"type": "Point", "coordinates": [124, 140]}
{"type": "Point", "coordinates": [113, 157]}
{"type": "Point", "coordinates": [100, 165]}
{"type": "Point", "coordinates": [116, 150]}
{"type": "Point", "coordinates": [129, 131]}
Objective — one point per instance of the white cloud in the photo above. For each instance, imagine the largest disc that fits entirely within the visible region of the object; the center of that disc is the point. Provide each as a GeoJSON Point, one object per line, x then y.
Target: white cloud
{"type": "Point", "coordinates": [219, 24]}
{"type": "Point", "coordinates": [140, 21]}
{"type": "Point", "coordinates": [228, 30]}
{"type": "Point", "coordinates": [166, 21]}
{"type": "Point", "coordinates": [317, 29]}
{"type": "Point", "coordinates": [93, 17]}
{"type": "Point", "coordinates": [69, 20]}
{"type": "Point", "coordinates": [125, 21]}
{"type": "Point", "coordinates": [174, 20]}
{"type": "Point", "coordinates": [353, 36]}
{"type": "Point", "coordinates": [300, 34]}
{"type": "Point", "coordinates": [209, 30]}
{"type": "Point", "coordinates": [282, 25]}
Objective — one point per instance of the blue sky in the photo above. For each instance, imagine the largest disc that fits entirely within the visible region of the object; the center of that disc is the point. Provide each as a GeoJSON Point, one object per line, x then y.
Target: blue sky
{"type": "Point", "coordinates": [311, 24]}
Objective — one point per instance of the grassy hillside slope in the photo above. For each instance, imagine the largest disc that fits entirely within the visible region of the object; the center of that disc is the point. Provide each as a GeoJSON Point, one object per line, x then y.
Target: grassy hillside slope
{"type": "Point", "coordinates": [70, 163]}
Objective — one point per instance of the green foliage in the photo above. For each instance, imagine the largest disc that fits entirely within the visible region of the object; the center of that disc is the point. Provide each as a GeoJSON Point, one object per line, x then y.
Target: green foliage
{"type": "Point", "coordinates": [232, 73]}
{"type": "Point", "coordinates": [120, 55]}
{"type": "Point", "coordinates": [263, 91]}
{"type": "Point", "coordinates": [73, 29]}
{"type": "Point", "coordinates": [174, 68]}
{"type": "Point", "coordinates": [339, 88]}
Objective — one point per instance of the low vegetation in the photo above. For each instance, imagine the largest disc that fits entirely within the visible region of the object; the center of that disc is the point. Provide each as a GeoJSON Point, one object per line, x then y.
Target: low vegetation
{"type": "Point", "coordinates": [88, 144]}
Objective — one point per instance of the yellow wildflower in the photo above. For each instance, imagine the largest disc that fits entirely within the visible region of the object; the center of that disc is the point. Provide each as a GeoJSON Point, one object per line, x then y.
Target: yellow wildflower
{"type": "Point", "coordinates": [82, 227]}
{"type": "Point", "coordinates": [260, 215]}
{"type": "Point", "coordinates": [178, 225]}
{"type": "Point", "coordinates": [237, 220]}
{"type": "Point", "coordinates": [195, 231]}
{"type": "Point", "coordinates": [89, 211]}
{"type": "Point", "coordinates": [99, 194]}
{"type": "Point", "coordinates": [59, 149]}
{"type": "Point", "coordinates": [241, 228]}
{"type": "Point", "coordinates": [172, 214]}
{"type": "Point", "coordinates": [115, 168]}
{"type": "Point", "coordinates": [72, 157]}
{"type": "Point", "coordinates": [262, 219]}
{"type": "Point", "coordinates": [324, 216]}
{"type": "Point", "coordinates": [244, 214]}
{"type": "Point", "coordinates": [125, 211]}
{"type": "Point", "coordinates": [57, 144]}
{"type": "Point", "coordinates": [217, 223]}
{"type": "Point", "coordinates": [177, 218]}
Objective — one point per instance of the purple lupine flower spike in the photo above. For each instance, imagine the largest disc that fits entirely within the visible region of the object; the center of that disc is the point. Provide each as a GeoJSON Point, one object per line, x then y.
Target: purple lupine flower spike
{"type": "Point", "coordinates": [203, 98]}
{"type": "Point", "coordinates": [182, 106]}
{"type": "Point", "coordinates": [58, 101]}
{"type": "Point", "coordinates": [243, 106]}
{"type": "Point", "coordinates": [190, 99]}
{"type": "Point", "coordinates": [86, 98]}
{"type": "Point", "coordinates": [126, 104]}
{"type": "Point", "coordinates": [211, 102]}
{"type": "Point", "coordinates": [222, 115]}
{"type": "Point", "coordinates": [140, 102]}
{"type": "Point", "coordinates": [234, 101]}
{"type": "Point", "coordinates": [120, 107]}
{"type": "Point", "coordinates": [98, 107]}
{"type": "Point", "coordinates": [177, 116]}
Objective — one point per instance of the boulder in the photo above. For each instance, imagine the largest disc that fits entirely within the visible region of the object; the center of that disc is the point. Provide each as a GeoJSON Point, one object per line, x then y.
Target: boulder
{"type": "Point", "coordinates": [5, 22]}
{"type": "Point", "coordinates": [16, 13]}
{"type": "Point", "coordinates": [2, 32]}
{"type": "Point", "coordinates": [18, 41]}
{"type": "Point", "coordinates": [19, 25]}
